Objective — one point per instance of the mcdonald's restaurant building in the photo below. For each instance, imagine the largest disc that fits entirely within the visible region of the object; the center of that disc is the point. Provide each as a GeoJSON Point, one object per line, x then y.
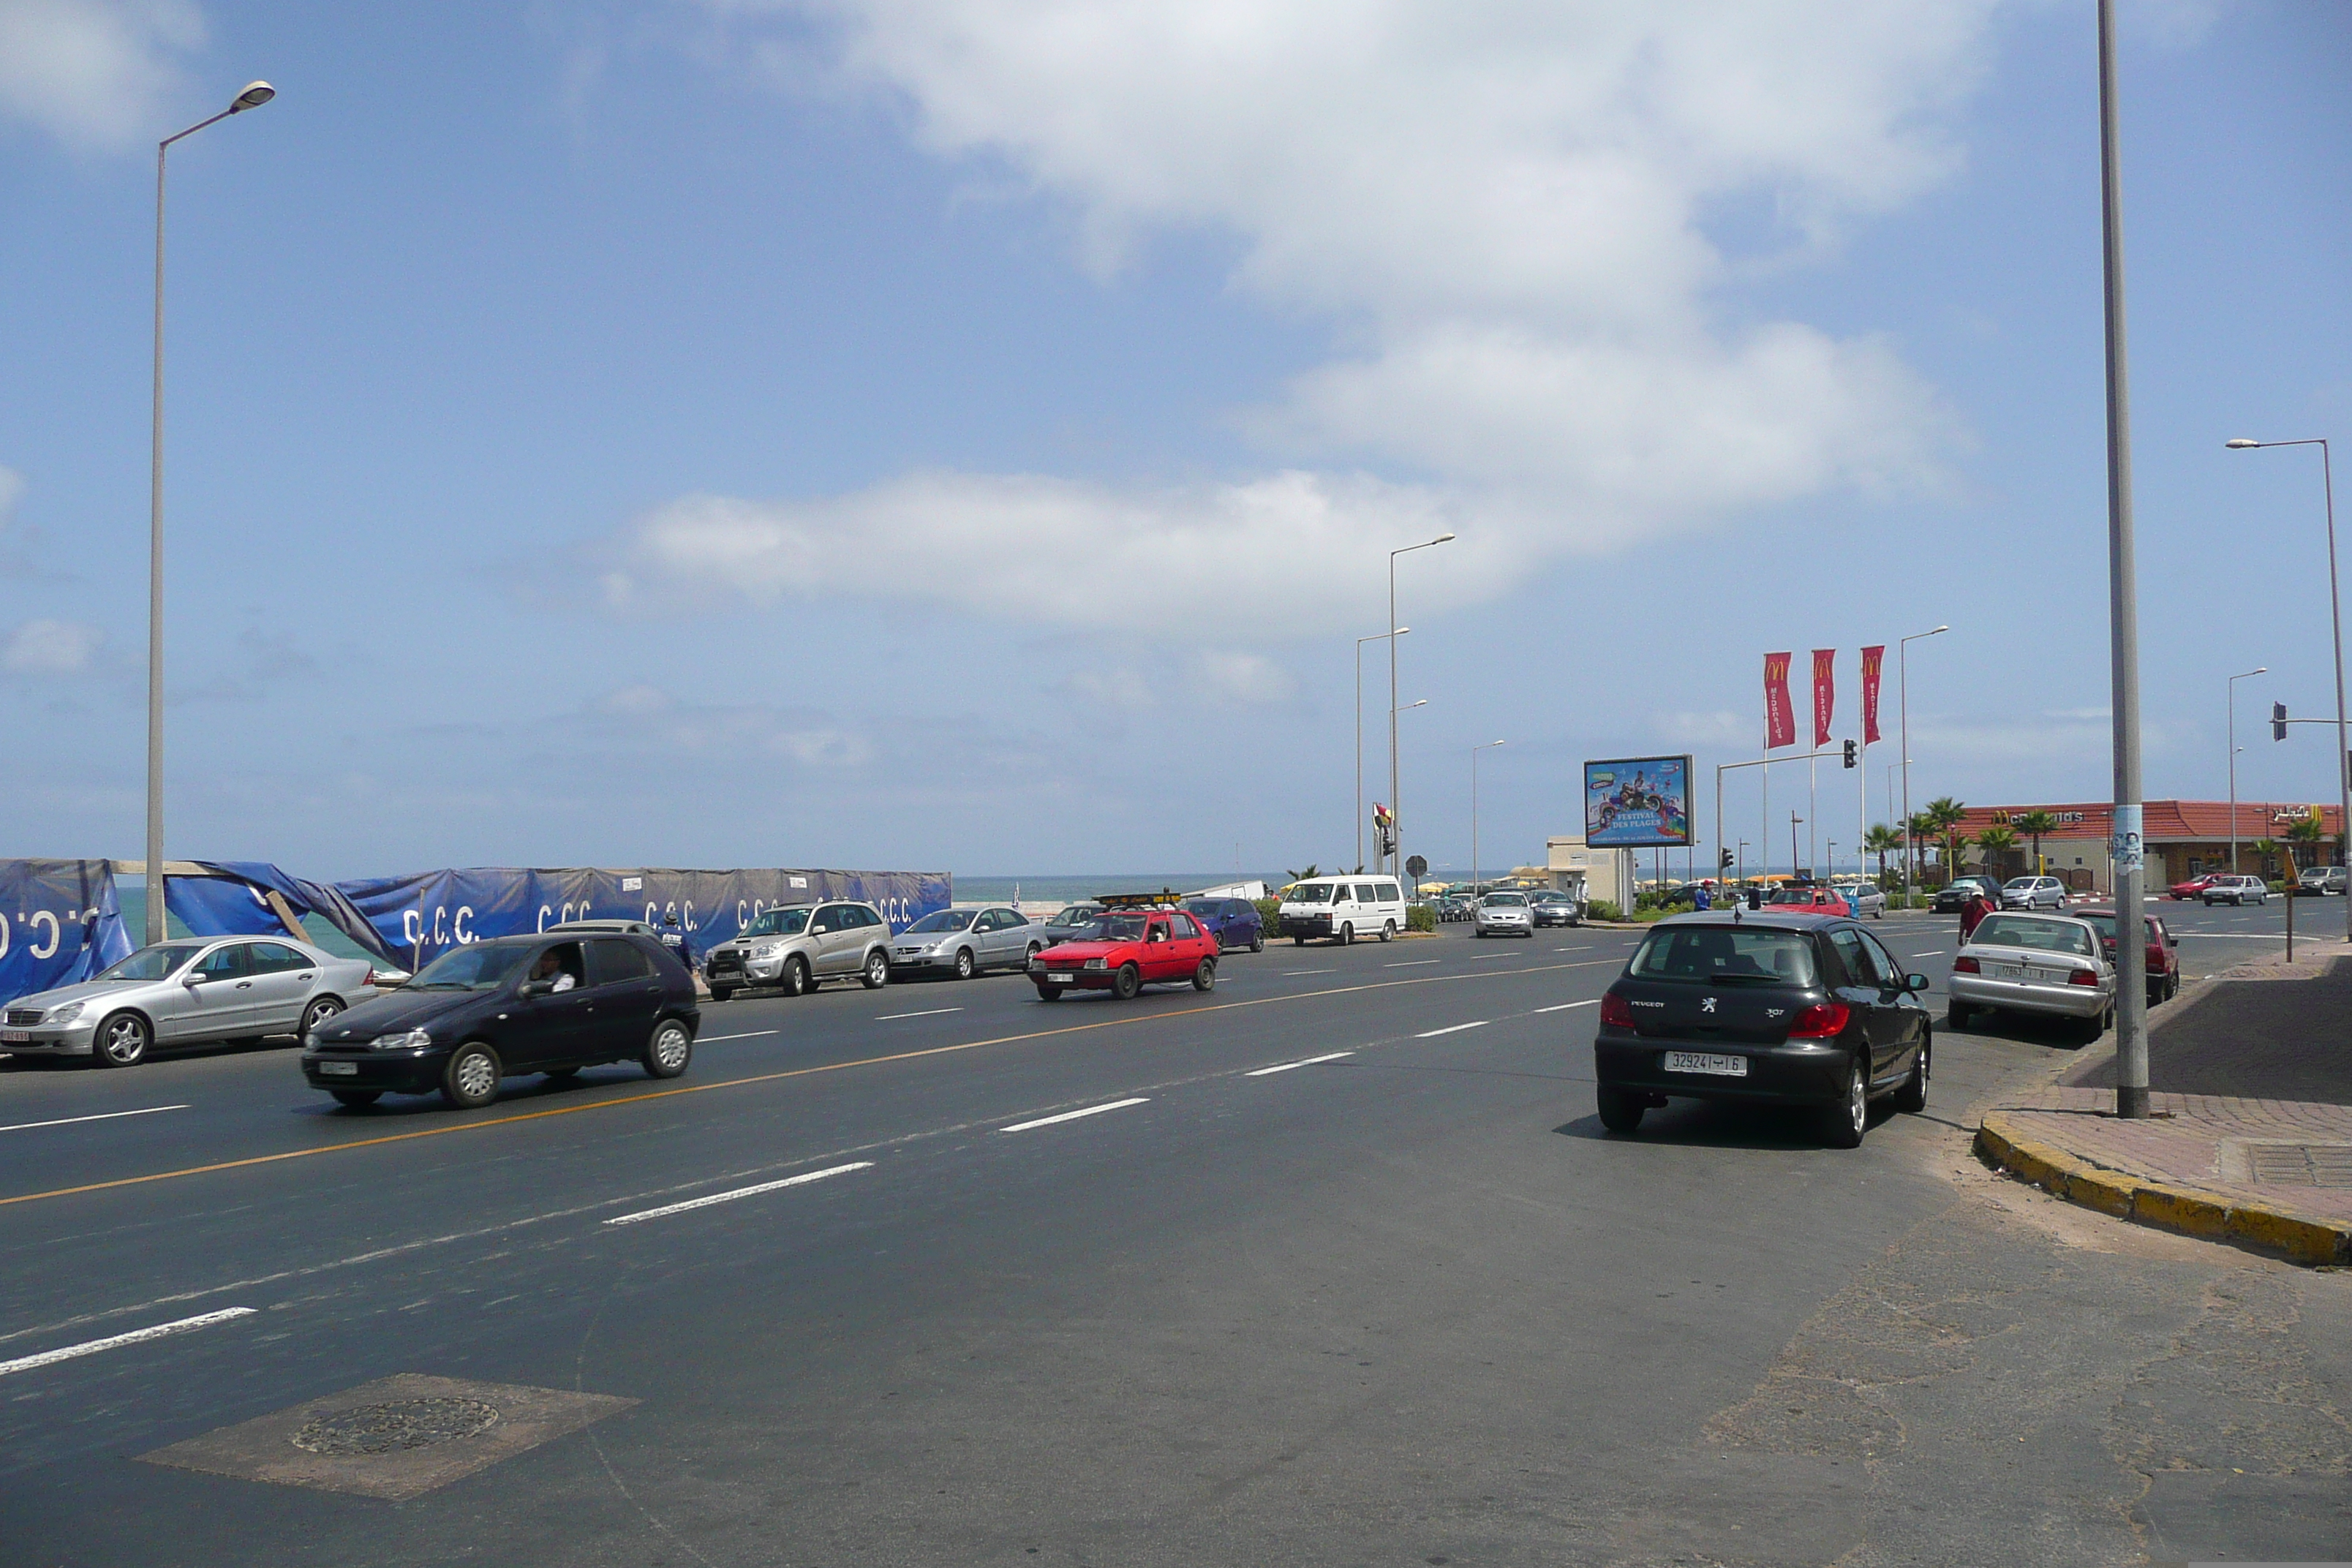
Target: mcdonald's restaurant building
{"type": "Point", "coordinates": [2183, 837]}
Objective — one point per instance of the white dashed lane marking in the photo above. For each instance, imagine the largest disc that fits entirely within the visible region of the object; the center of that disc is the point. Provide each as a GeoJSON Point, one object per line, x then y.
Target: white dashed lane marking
{"type": "Point", "coordinates": [138, 1336]}
{"type": "Point", "coordinates": [926, 1013]}
{"type": "Point", "coordinates": [1074, 1115]}
{"type": "Point", "coordinates": [1564, 1007]}
{"type": "Point", "coordinates": [801, 1180]}
{"type": "Point", "coordinates": [1286, 1067]}
{"type": "Point", "coordinates": [1411, 963]}
{"type": "Point", "coordinates": [103, 1116]}
{"type": "Point", "coordinates": [749, 1035]}
{"type": "Point", "coordinates": [1450, 1029]}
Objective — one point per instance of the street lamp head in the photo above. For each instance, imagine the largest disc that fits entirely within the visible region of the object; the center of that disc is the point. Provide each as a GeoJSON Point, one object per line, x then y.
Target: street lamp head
{"type": "Point", "coordinates": [254, 94]}
{"type": "Point", "coordinates": [1940, 629]}
{"type": "Point", "coordinates": [1441, 539]}
{"type": "Point", "coordinates": [2241, 443]}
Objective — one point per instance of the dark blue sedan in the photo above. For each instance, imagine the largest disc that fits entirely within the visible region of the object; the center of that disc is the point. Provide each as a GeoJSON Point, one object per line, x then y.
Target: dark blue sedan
{"type": "Point", "coordinates": [1235, 922]}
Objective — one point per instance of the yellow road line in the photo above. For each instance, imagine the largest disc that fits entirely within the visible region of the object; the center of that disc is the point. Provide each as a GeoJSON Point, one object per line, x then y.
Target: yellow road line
{"type": "Point", "coordinates": [645, 1095]}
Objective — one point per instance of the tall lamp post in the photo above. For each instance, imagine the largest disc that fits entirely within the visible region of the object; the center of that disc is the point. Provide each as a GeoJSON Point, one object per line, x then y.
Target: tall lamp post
{"type": "Point", "coordinates": [254, 94]}
{"type": "Point", "coordinates": [2264, 670]}
{"type": "Point", "coordinates": [1902, 685]}
{"type": "Point", "coordinates": [1376, 636]}
{"type": "Point", "coordinates": [1473, 812]}
{"type": "Point", "coordinates": [1396, 807]}
{"type": "Point", "coordinates": [2336, 614]}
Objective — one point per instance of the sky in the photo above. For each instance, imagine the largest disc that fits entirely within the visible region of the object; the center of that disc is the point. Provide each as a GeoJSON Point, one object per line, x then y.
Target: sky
{"type": "Point", "coordinates": [968, 436]}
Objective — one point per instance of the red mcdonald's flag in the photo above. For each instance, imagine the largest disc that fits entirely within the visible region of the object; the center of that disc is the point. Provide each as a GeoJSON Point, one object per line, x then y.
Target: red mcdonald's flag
{"type": "Point", "coordinates": [1779, 719]}
{"type": "Point", "coordinates": [1824, 694]}
{"type": "Point", "coordinates": [1872, 659]}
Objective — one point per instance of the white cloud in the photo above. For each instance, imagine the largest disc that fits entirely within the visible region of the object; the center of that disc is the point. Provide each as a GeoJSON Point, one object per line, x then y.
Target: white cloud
{"type": "Point", "coordinates": [1523, 220]}
{"type": "Point", "coordinates": [93, 73]}
{"type": "Point", "coordinates": [12, 490]}
{"type": "Point", "coordinates": [1244, 677]}
{"type": "Point", "coordinates": [50, 647]}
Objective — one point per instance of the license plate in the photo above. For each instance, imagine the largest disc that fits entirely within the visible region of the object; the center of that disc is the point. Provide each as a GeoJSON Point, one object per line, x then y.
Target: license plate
{"type": "Point", "coordinates": [2009, 972]}
{"type": "Point", "coordinates": [1063, 979]}
{"type": "Point", "coordinates": [339, 1069]}
{"type": "Point", "coordinates": [14, 1036]}
{"type": "Point", "coordinates": [1701, 1062]}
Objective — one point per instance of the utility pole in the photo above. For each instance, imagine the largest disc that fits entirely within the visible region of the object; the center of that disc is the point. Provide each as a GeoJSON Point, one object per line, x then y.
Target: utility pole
{"type": "Point", "coordinates": [2127, 846]}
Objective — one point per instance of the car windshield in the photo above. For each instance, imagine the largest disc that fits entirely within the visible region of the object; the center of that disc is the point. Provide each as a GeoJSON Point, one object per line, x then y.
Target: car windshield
{"type": "Point", "coordinates": [478, 968]}
{"type": "Point", "coordinates": [2018, 883]}
{"type": "Point", "coordinates": [1719, 954]}
{"type": "Point", "coordinates": [152, 963]}
{"type": "Point", "coordinates": [2104, 923]}
{"type": "Point", "coordinates": [1791, 895]}
{"type": "Point", "coordinates": [1113, 928]}
{"type": "Point", "coordinates": [1311, 893]}
{"type": "Point", "coordinates": [1506, 901]}
{"type": "Point", "coordinates": [1076, 915]}
{"type": "Point", "coordinates": [2025, 931]}
{"type": "Point", "coordinates": [943, 919]}
{"type": "Point", "coordinates": [1204, 908]}
{"type": "Point", "coordinates": [778, 923]}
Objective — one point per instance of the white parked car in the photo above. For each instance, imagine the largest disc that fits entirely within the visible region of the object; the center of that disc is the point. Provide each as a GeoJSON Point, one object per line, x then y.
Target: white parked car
{"type": "Point", "coordinates": [2235, 891]}
{"type": "Point", "coordinates": [2053, 966]}
{"type": "Point", "coordinates": [188, 991]}
{"type": "Point", "coordinates": [2034, 894]}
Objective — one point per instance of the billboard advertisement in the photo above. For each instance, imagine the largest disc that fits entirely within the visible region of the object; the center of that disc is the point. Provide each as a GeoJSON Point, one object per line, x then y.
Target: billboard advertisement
{"type": "Point", "coordinates": [1637, 803]}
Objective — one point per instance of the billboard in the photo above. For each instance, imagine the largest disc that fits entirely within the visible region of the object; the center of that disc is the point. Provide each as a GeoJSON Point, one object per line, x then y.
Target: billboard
{"type": "Point", "coordinates": [1637, 803]}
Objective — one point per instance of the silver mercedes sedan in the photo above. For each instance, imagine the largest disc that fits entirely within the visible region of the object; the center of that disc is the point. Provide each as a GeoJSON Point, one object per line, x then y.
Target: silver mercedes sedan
{"type": "Point", "coordinates": [187, 993]}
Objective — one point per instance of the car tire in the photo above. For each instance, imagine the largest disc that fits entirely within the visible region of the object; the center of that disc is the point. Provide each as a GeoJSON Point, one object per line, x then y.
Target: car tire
{"type": "Point", "coordinates": [1348, 935]}
{"type": "Point", "coordinates": [2094, 1029]}
{"type": "Point", "coordinates": [877, 970]}
{"type": "Point", "coordinates": [356, 1098]}
{"type": "Point", "coordinates": [1620, 1111]}
{"type": "Point", "coordinates": [1129, 981]}
{"type": "Point", "coordinates": [721, 993]}
{"type": "Point", "coordinates": [1049, 992]}
{"type": "Point", "coordinates": [1844, 1122]}
{"type": "Point", "coordinates": [1258, 942]}
{"type": "Point", "coordinates": [1035, 949]}
{"type": "Point", "coordinates": [1204, 975]}
{"type": "Point", "coordinates": [321, 1009]}
{"type": "Point", "coordinates": [1388, 930]}
{"type": "Point", "coordinates": [668, 1051]}
{"type": "Point", "coordinates": [123, 1040]}
{"type": "Point", "coordinates": [796, 978]}
{"type": "Point", "coordinates": [471, 1080]}
{"type": "Point", "coordinates": [965, 968]}
{"type": "Point", "coordinates": [1912, 1098]}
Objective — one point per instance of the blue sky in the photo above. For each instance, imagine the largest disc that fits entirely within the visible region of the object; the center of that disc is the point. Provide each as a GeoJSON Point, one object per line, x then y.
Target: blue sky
{"type": "Point", "coordinates": [949, 435]}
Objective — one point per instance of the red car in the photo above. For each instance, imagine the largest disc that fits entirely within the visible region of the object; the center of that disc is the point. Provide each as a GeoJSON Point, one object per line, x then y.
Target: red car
{"type": "Point", "coordinates": [2194, 888]}
{"type": "Point", "coordinates": [1806, 898]}
{"type": "Point", "coordinates": [1127, 947]}
{"type": "Point", "coordinates": [2163, 955]}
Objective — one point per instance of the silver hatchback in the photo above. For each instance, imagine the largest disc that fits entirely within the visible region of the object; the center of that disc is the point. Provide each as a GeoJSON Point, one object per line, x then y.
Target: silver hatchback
{"type": "Point", "coordinates": [193, 992]}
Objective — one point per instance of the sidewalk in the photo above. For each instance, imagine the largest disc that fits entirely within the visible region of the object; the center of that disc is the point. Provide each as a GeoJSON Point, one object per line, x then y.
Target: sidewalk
{"type": "Point", "coordinates": [2271, 1174]}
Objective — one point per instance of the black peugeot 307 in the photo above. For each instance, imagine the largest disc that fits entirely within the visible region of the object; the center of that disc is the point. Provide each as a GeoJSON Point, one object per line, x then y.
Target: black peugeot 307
{"type": "Point", "coordinates": [513, 1004]}
{"type": "Point", "coordinates": [1778, 1009]}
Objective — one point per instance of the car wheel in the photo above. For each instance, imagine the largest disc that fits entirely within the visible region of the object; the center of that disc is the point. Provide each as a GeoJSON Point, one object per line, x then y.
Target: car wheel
{"type": "Point", "coordinates": [1257, 941]}
{"type": "Point", "coordinates": [1129, 982]}
{"type": "Point", "coordinates": [796, 976]}
{"type": "Point", "coordinates": [355, 1097]}
{"type": "Point", "coordinates": [670, 1049]}
{"type": "Point", "coordinates": [1347, 935]}
{"type": "Point", "coordinates": [964, 967]}
{"type": "Point", "coordinates": [1204, 975]}
{"type": "Point", "coordinates": [720, 993]}
{"type": "Point", "coordinates": [1844, 1123]}
{"type": "Point", "coordinates": [1035, 949]}
{"type": "Point", "coordinates": [121, 1041]}
{"type": "Point", "coordinates": [1620, 1111]}
{"type": "Point", "coordinates": [2172, 985]}
{"type": "Point", "coordinates": [321, 1009]}
{"type": "Point", "coordinates": [1049, 994]}
{"type": "Point", "coordinates": [1388, 930]}
{"type": "Point", "coordinates": [877, 970]}
{"type": "Point", "coordinates": [471, 1079]}
{"type": "Point", "coordinates": [1912, 1098]}
{"type": "Point", "coordinates": [2094, 1028]}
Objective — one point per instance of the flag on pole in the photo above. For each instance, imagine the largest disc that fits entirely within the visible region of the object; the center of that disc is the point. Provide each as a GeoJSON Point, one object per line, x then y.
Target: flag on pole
{"type": "Point", "coordinates": [1872, 660]}
{"type": "Point", "coordinates": [1824, 694]}
{"type": "Point", "coordinates": [1780, 718]}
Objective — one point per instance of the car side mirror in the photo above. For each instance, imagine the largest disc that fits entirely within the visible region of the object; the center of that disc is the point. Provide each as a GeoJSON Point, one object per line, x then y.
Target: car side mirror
{"type": "Point", "coordinates": [1915, 982]}
{"type": "Point", "coordinates": [537, 987]}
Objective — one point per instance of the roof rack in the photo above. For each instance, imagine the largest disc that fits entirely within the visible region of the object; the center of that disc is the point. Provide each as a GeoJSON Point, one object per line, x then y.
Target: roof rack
{"type": "Point", "coordinates": [1164, 898]}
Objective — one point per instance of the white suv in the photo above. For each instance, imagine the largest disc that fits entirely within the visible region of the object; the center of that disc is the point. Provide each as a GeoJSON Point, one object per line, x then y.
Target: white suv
{"type": "Point", "coordinates": [2235, 891]}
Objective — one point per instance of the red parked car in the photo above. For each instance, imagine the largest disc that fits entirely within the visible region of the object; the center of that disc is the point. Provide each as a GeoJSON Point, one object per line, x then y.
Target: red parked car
{"type": "Point", "coordinates": [2163, 952]}
{"type": "Point", "coordinates": [1130, 945]}
{"type": "Point", "coordinates": [2194, 888]}
{"type": "Point", "coordinates": [1807, 898]}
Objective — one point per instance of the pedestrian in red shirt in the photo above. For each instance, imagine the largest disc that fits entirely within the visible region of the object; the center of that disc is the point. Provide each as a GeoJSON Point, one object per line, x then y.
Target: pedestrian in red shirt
{"type": "Point", "coordinates": [1972, 914]}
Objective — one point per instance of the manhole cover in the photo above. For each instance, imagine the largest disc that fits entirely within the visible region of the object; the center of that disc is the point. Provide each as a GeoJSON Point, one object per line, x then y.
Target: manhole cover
{"type": "Point", "coordinates": [391, 1429]}
{"type": "Point", "coordinates": [2302, 1165]}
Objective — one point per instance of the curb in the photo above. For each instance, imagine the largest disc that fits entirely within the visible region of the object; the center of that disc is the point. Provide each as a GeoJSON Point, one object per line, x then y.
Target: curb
{"type": "Point", "coordinates": [2209, 1216]}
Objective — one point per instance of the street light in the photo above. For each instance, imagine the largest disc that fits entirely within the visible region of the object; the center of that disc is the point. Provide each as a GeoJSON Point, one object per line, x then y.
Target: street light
{"type": "Point", "coordinates": [1903, 680]}
{"type": "Point", "coordinates": [2265, 669]}
{"type": "Point", "coordinates": [1473, 812]}
{"type": "Point", "coordinates": [1396, 806]}
{"type": "Point", "coordinates": [2336, 614]}
{"type": "Point", "coordinates": [1376, 636]}
{"type": "Point", "coordinates": [254, 94]}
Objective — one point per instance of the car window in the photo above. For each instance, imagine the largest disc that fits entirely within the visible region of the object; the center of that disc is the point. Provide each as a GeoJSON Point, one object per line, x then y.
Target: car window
{"type": "Point", "coordinates": [1184, 928]}
{"type": "Point", "coordinates": [150, 963]}
{"type": "Point", "coordinates": [222, 962]}
{"type": "Point", "coordinates": [778, 923]}
{"type": "Point", "coordinates": [1861, 964]}
{"type": "Point", "coordinates": [617, 958]}
{"type": "Point", "coordinates": [1726, 954]}
{"type": "Point", "coordinates": [276, 958]}
{"type": "Point", "coordinates": [827, 919]}
{"type": "Point", "coordinates": [2025, 931]}
{"type": "Point", "coordinates": [1887, 963]}
{"type": "Point", "coordinates": [1158, 929]}
{"type": "Point", "coordinates": [1311, 893]}
{"type": "Point", "coordinates": [1388, 892]}
{"type": "Point", "coordinates": [1118, 928]}
{"type": "Point", "coordinates": [468, 968]}
{"type": "Point", "coordinates": [1010, 918]}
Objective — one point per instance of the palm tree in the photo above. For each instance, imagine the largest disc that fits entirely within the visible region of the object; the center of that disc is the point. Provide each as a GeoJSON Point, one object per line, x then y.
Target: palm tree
{"type": "Point", "coordinates": [1946, 813]}
{"type": "Point", "coordinates": [2266, 847]}
{"type": "Point", "coordinates": [1996, 843]}
{"type": "Point", "coordinates": [1882, 841]}
{"type": "Point", "coordinates": [1924, 831]}
{"type": "Point", "coordinates": [2033, 824]}
{"type": "Point", "coordinates": [2307, 830]}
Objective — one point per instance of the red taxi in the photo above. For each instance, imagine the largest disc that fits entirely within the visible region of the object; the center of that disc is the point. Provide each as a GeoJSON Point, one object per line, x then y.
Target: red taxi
{"type": "Point", "coordinates": [1136, 941]}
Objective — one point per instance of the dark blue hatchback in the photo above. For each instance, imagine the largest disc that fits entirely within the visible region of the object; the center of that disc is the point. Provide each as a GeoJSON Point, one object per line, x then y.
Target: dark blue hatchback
{"type": "Point", "coordinates": [1235, 922]}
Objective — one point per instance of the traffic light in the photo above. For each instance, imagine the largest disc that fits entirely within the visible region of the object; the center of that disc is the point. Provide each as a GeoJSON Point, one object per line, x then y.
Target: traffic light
{"type": "Point", "coordinates": [1853, 753]}
{"type": "Point", "coordinates": [2278, 721]}
{"type": "Point", "coordinates": [1722, 859]}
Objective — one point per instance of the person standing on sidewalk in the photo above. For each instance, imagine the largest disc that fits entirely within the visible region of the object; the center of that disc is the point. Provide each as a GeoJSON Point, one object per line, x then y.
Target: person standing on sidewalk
{"type": "Point", "coordinates": [1972, 914]}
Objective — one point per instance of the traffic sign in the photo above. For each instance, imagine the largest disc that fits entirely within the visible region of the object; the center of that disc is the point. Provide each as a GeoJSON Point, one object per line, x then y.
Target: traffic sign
{"type": "Point", "coordinates": [1416, 866]}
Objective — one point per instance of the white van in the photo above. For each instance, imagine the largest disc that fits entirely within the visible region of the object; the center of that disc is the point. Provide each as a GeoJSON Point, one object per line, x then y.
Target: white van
{"type": "Point", "coordinates": [1343, 908]}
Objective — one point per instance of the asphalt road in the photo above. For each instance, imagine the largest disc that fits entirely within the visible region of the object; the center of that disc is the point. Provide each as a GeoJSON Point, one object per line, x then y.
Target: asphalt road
{"type": "Point", "coordinates": [1406, 1303]}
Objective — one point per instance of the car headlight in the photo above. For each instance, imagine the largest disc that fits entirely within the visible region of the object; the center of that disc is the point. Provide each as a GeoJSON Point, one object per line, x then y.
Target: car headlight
{"type": "Point", "coordinates": [1098, 963]}
{"type": "Point", "coordinates": [765, 949]}
{"type": "Point", "coordinates": [63, 1014]}
{"type": "Point", "coordinates": [414, 1040]}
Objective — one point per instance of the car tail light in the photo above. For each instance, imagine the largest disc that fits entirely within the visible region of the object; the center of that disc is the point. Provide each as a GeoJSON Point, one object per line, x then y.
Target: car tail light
{"type": "Point", "coordinates": [1964, 964]}
{"type": "Point", "coordinates": [2083, 977]}
{"type": "Point", "coordinates": [1821, 1021]}
{"type": "Point", "coordinates": [2158, 961]}
{"type": "Point", "coordinates": [370, 979]}
{"type": "Point", "coordinates": [1615, 1013]}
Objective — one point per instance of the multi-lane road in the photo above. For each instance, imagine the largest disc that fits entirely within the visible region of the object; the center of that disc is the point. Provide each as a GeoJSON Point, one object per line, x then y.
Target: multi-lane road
{"type": "Point", "coordinates": [1333, 1264]}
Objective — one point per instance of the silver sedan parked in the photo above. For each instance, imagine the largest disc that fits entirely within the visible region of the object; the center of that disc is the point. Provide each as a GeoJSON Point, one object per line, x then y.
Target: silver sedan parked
{"type": "Point", "coordinates": [2050, 964]}
{"type": "Point", "coordinates": [1503, 914]}
{"type": "Point", "coordinates": [187, 993]}
{"type": "Point", "coordinates": [962, 942]}
{"type": "Point", "coordinates": [1866, 897]}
